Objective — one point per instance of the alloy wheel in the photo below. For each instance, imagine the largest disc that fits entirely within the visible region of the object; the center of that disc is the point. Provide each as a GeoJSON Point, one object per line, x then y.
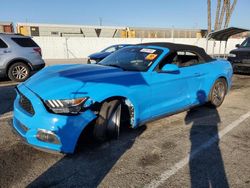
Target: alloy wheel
{"type": "Point", "coordinates": [218, 93]}
{"type": "Point", "coordinates": [20, 72]}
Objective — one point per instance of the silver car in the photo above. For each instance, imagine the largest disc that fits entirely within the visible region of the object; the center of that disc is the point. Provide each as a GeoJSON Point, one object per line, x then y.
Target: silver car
{"type": "Point", "coordinates": [19, 57]}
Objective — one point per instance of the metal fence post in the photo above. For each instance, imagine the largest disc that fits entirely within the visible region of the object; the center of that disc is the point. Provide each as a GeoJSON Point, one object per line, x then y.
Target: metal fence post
{"type": "Point", "coordinates": [66, 42]}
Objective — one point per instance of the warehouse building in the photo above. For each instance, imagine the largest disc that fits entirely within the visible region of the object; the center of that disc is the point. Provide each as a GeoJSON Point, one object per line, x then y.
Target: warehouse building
{"type": "Point", "coordinates": [6, 27]}
{"type": "Point", "coordinates": [140, 32]}
{"type": "Point", "coordinates": [35, 29]}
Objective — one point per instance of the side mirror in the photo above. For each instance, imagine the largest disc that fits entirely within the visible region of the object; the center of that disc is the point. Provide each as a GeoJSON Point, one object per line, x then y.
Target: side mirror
{"type": "Point", "coordinates": [170, 68]}
{"type": "Point", "coordinates": [237, 45]}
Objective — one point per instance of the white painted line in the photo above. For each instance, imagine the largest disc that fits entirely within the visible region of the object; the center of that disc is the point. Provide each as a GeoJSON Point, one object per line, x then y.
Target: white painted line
{"type": "Point", "coordinates": [8, 84]}
{"type": "Point", "coordinates": [2, 118]}
{"type": "Point", "coordinates": [168, 173]}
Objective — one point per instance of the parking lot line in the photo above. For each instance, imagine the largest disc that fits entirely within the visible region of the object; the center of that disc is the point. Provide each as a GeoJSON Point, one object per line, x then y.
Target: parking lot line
{"type": "Point", "coordinates": [168, 173]}
{"type": "Point", "coordinates": [2, 118]}
{"type": "Point", "coordinates": [8, 84]}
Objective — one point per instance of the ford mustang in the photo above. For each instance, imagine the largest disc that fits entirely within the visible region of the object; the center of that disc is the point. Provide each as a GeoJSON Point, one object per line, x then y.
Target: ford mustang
{"type": "Point", "coordinates": [132, 86]}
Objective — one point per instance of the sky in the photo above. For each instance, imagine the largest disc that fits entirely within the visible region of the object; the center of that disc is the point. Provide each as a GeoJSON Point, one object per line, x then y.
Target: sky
{"type": "Point", "coordinates": [130, 13]}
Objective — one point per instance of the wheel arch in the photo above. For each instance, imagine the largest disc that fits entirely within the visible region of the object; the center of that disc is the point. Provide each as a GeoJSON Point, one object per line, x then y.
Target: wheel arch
{"type": "Point", "coordinates": [16, 60]}
{"type": "Point", "coordinates": [133, 108]}
{"type": "Point", "coordinates": [213, 82]}
{"type": "Point", "coordinates": [84, 135]}
{"type": "Point", "coordinates": [222, 77]}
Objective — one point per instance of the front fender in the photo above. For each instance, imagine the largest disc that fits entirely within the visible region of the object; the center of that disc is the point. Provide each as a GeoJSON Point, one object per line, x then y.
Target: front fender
{"type": "Point", "coordinates": [118, 91]}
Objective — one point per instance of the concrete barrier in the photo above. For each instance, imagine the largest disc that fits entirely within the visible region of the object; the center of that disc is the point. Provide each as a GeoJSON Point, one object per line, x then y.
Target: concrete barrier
{"type": "Point", "coordinates": [76, 47]}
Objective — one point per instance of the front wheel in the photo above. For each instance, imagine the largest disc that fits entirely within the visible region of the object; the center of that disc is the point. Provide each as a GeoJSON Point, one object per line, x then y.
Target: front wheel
{"type": "Point", "coordinates": [107, 125]}
{"type": "Point", "coordinates": [218, 92]}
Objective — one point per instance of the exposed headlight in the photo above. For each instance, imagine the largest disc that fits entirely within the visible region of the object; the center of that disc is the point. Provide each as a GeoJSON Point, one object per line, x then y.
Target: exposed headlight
{"type": "Point", "coordinates": [70, 106]}
{"type": "Point", "coordinates": [231, 55]}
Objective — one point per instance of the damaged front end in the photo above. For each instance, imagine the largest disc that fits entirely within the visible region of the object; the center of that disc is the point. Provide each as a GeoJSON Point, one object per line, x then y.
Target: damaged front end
{"type": "Point", "coordinates": [46, 130]}
{"type": "Point", "coordinates": [131, 110]}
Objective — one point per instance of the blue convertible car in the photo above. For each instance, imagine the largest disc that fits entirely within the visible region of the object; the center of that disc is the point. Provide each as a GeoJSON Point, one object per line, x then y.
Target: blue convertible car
{"type": "Point", "coordinates": [132, 86]}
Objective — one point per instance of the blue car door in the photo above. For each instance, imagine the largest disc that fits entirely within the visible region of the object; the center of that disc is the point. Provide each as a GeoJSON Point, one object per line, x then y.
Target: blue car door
{"type": "Point", "coordinates": [169, 92]}
{"type": "Point", "coordinates": [196, 71]}
{"type": "Point", "coordinates": [195, 76]}
{"type": "Point", "coordinates": [173, 92]}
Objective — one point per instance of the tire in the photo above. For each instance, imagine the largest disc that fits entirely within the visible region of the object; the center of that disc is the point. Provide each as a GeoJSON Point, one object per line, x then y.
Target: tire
{"type": "Point", "coordinates": [218, 92]}
{"type": "Point", "coordinates": [19, 72]}
{"type": "Point", "coordinates": [107, 125]}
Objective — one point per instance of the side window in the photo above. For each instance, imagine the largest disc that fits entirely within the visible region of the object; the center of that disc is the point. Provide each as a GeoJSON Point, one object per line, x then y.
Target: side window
{"type": "Point", "coordinates": [187, 58]}
{"type": "Point", "coordinates": [24, 42]}
{"type": "Point", "coordinates": [111, 49]}
{"type": "Point", "coordinates": [245, 43]}
{"type": "Point", "coordinates": [2, 44]}
{"type": "Point", "coordinates": [119, 47]}
{"type": "Point", "coordinates": [169, 59]}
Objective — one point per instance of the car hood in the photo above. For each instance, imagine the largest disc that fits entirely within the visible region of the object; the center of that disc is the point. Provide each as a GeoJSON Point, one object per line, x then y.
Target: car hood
{"type": "Point", "coordinates": [99, 55]}
{"type": "Point", "coordinates": [74, 81]}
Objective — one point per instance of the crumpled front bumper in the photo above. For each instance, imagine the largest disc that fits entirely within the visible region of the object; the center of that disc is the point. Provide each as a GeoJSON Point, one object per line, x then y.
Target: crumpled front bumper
{"type": "Point", "coordinates": [66, 128]}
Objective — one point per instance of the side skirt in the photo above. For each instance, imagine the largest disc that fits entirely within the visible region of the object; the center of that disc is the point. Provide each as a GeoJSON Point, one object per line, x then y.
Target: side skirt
{"type": "Point", "coordinates": [167, 114]}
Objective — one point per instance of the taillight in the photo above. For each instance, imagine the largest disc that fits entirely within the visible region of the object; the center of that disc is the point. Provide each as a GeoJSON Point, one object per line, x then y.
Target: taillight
{"type": "Point", "coordinates": [38, 50]}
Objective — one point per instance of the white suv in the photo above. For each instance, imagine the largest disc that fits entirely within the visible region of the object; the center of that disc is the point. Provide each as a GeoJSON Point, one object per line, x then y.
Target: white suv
{"type": "Point", "coordinates": [19, 56]}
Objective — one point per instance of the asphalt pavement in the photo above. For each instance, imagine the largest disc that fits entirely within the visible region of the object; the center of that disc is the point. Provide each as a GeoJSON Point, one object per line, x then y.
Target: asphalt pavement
{"type": "Point", "coordinates": [202, 147]}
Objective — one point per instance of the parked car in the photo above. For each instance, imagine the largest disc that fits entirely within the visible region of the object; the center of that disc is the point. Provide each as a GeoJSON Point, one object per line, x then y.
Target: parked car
{"type": "Point", "coordinates": [240, 57]}
{"type": "Point", "coordinates": [132, 86]}
{"type": "Point", "coordinates": [19, 56]}
{"type": "Point", "coordinates": [96, 57]}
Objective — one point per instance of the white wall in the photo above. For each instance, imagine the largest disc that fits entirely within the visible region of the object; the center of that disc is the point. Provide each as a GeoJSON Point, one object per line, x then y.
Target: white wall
{"type": "Point", "coordinates": [76, 47]}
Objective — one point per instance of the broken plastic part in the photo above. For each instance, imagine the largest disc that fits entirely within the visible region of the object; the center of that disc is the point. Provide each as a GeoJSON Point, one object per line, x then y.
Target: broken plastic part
{"type": "Point", "coordinates": [131, 111]}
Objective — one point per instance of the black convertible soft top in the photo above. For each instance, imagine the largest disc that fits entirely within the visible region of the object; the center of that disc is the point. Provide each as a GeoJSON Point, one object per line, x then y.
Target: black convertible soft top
{"type": "Point", "coordinates": [179, 47]}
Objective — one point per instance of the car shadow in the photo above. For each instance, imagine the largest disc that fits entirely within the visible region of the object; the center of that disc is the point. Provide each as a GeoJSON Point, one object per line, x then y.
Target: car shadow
{"type": "Point", "coordinates": [89, 165]}
{"type": "Point", "coordinates": [7, 97]}
{"type": "Point", "coordinates": [206, 167]}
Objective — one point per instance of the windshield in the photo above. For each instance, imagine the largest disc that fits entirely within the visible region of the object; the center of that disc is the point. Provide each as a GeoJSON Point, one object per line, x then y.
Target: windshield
{"type": "Point", "coordinates": [132, 58]}
{"type": "Point", "coordinates": [110, 49]}
{"type": "Point", "coordinates": [246, 43]}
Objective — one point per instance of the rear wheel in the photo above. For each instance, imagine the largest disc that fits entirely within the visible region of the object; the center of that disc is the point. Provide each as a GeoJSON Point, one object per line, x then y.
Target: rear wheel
{"type": "Point", "coordinates": [19, 72]}
{"type": "Point", "coordinates": [108, 123]}
{"type": "Point", "coordinates": [218, 92]}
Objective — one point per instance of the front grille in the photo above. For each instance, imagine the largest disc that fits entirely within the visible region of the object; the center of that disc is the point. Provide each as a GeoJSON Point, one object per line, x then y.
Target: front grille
{"type": "Point", "coordinates": [242, 69]}
{"type": "Point", "coordinates": [26, 104]}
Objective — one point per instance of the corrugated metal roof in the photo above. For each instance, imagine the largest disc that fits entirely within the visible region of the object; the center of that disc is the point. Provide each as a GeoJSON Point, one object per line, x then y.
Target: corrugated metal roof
{"type": "Point", "coordinates": [225, 34]}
